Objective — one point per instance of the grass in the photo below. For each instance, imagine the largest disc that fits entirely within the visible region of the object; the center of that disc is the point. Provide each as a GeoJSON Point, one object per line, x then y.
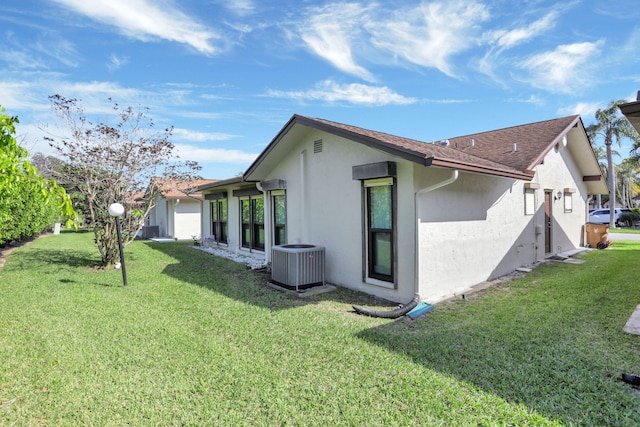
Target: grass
{"type": "Point", "coordinates": [198, 340]}
{"type": "Point", "coordinates": [625, 230]}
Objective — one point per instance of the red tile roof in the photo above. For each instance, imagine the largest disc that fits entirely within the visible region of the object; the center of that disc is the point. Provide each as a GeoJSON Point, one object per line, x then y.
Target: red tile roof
{"type": "Point", "coordinates": [171, 189]}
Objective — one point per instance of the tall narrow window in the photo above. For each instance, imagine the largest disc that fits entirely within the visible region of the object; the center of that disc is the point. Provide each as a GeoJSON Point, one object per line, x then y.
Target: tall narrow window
{"type": "Point", "coordinates": [257, 219]}
{"type": "Point", "coordinates": [219, 218]}
{"type": "Point", "coordinates": [380, 229]}
{"type": "Point", "coordinates": [252, 212]}
{"type": "Point", "coordinates": [279, 218]}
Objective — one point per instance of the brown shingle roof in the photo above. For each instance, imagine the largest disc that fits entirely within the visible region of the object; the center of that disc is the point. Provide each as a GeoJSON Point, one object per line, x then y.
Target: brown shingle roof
{"type": "Point", "coordinates": [532, 141]}
{"type": "Point", "coordinates": [491, 154]}
{"type": "Point", "coordinates": [427, 153]}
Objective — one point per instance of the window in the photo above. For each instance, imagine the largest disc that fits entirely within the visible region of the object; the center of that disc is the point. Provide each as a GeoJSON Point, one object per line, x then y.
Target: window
{"type": "Point", "coordinates": [219, 217]}
{"type": "Point", "coordinates": [529, 201]}
{"type": "Point", "coordinates": [380, 228]}
{"type": "Point", "coordinates": [279, 218]}
{"type": "Point", "coordinates": [568, 202]}
{"type": "Point", "coordinates": [252, 210]}
{"type": "Point", "coordinates": [568, 199]}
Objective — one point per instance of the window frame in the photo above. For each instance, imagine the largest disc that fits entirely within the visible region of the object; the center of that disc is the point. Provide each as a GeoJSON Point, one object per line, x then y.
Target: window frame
{"type": "Point", "coordinates": [278, 230]}
{"type": "Point", "coordinates": [254, 227]}
{"type": "Point", "coordinates": [370, 234]}
{"type": "Point", "coordinates": [220, 229]}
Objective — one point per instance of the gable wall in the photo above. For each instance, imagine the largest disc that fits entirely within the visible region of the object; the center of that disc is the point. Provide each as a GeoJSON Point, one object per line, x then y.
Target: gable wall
{"type": "Point", "coordinates": [324, 207]}
{"type": "Point", "coordinates": [475, 229]}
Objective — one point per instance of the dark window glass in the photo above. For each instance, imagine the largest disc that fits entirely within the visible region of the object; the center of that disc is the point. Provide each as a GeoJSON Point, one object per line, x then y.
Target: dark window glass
{"type": "Point", "coordinates": [252, 211]}
{"type": "Point", "coordinates": [279, 220]}
{"type": "Point", "coordinates": [380, 232]}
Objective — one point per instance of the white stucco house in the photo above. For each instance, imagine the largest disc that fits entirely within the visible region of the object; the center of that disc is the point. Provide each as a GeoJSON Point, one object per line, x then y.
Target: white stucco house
{"type": "Point", "coordinates": [177, 211]}
{"type": "Point", "coordinates": [399, 217]}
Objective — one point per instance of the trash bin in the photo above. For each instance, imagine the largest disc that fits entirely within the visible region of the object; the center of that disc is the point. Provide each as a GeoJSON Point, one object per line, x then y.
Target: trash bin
{"type": "Point", "coordinates": [597, 235]}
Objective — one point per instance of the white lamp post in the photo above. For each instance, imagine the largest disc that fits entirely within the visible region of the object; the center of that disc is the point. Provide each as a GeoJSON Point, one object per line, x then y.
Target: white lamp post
{"type": "Point", "coordinates": [117, 210]}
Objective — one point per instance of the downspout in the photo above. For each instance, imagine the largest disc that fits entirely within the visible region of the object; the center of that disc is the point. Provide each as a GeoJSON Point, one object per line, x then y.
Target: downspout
{"type": "Point", "coordinates": [586, 220]}
{"type": "Point", "coordinates": [303, 201]}
{"type": "Point", "coordinates": [450, 180]}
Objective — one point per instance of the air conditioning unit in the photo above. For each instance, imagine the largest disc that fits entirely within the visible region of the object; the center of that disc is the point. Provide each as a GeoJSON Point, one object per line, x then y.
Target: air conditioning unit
{"type": "Point", "coordinates": [297, 266]}
{"type": "Point", "coordinates": [150, 231]}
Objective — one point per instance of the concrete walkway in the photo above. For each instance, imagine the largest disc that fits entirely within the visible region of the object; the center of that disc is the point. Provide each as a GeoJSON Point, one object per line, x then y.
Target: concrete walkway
{"type": "Point", "coordinates": [633, 324]}
{"type": "Point", "coordinates": [623, 236]}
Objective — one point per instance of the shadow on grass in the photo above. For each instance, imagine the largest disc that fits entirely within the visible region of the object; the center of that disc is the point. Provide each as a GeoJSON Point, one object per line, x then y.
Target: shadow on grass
{"type": "Point", "coordinates": [55, 259]}
{"type": "Point", "coordinates": [556, 348]}
{"type": "Point", "coordinates": [235, 280]}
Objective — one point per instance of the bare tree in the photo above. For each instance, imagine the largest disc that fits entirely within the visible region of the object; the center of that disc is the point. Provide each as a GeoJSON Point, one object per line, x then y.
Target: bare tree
{"type": "Point", "coordinates": [114, 163]}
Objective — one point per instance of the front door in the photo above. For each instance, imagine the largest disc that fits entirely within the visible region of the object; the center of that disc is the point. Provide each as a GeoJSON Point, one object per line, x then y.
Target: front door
{"type": "Point", "coordinates": [548, 221]}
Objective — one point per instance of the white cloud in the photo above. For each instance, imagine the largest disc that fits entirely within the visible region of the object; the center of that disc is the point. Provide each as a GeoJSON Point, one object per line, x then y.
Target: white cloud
{"type": "Point", "coordinates": [331, 30]}
{"type": "Point", "coordinates": [353, 93]}
{"type": "Point", "coordinates": [505, 39]}
{"type": "Point", "coordinates": [144, 20]}
{"type": "Point", "coordinates": [564, 69]}
{"type": "Point", "coordinates": [430, 34]}
{"type": "Point", "coordinates": [582, 108]}
{"type": "Point", "coordinates": [239, 7]}
{"type": "Point", "coordinates": [213, 155]}
{"type": "Point", "coordinates": [189, 135]}
{"type": "Point", "coordinates": [21, 95]}
{"type": "Point", "coordinates": [116, 62]}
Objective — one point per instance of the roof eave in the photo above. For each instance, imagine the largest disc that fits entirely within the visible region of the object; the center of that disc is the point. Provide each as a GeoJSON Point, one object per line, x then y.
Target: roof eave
{"type": "Point", "coordinates": [443, 163]}
{"type": "Point", "coordinates": [309, 122]}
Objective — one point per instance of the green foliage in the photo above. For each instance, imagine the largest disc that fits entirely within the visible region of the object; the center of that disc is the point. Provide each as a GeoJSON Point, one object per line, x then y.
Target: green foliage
{"type": "Point", "coordinates": [629, 218]}
{"type": "Point", "coordinates": [25, 211]}
{"type": "Point", "coordinates": [29, 203]}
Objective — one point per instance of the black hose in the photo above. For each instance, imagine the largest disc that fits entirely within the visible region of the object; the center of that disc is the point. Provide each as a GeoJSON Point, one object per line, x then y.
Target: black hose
{"type": "Point", "coordinates": [388, 314]}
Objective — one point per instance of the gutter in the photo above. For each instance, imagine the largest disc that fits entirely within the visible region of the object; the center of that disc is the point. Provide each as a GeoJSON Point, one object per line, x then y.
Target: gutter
{"type": "Point", "coordinates": [450, 180]}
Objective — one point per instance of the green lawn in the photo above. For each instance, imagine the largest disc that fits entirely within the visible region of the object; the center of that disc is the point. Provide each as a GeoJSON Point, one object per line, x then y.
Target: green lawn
{"type": "Point", "coordinates": [199, 340]}
{"type": "Point", "coordinates": [625, 230]}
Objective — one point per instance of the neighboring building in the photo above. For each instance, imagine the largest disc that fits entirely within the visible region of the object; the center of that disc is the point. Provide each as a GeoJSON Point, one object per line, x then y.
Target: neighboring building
{"type": "Point", "coordinates": [177, 213]}
{"type": "Point", "coordinates": [398, 216]}
{"type": "Point", "coordinates": [632, 111]}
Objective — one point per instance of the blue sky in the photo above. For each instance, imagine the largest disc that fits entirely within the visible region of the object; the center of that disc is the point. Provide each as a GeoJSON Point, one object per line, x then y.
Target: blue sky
{"type": "Point", "coordinates": [229, 74]}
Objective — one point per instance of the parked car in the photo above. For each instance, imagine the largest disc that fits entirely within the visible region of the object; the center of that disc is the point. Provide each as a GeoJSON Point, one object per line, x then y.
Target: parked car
{"type": "Point", "coordinates": [602, 216]}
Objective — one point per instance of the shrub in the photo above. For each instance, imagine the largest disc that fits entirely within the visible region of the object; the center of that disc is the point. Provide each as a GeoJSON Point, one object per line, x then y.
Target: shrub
{"type": "Point", "coordinates": [628, 218]}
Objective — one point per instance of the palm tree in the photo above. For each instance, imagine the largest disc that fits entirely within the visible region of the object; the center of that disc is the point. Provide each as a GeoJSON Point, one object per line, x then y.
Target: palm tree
{"type": "Point", "coordinates": [611, 124]}
{"type": "Point", "coordinates": [627, 173]}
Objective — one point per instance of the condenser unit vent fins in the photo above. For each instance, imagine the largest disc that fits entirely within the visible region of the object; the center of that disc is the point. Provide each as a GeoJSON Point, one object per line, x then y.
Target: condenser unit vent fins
{"type": "Point", "coordinates": [297, 266]}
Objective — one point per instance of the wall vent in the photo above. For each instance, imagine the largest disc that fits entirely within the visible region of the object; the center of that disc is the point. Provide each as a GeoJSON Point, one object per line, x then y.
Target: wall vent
{"type": "Point", "coordinates": [297, 266]}
{"type": "Point", "coordinates": [317, 146]}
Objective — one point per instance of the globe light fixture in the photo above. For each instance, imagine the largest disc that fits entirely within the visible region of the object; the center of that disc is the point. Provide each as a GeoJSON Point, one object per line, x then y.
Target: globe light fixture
{"type": "Point", "coordinates": [116, 210]}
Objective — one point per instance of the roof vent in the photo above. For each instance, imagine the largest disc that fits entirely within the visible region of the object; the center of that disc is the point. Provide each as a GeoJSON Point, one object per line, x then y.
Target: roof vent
{"type": "Point", "coordinates": [514, 147]}
{"type": "Point", "coordinates": [472, 143]}
{"type": "Point", "coordinates": [317, 146]}
{"type": "Point", "coordinates": [444, 142]}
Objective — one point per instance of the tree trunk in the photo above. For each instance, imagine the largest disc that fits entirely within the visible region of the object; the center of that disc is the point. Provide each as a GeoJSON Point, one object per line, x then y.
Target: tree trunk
{"type": "Point", "coordinates": [612, 182]}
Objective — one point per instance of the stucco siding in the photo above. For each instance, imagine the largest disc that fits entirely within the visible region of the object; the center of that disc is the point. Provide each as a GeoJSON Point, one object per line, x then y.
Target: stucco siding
{"type": "Point", "coordinates": [324, 207]}
{"type": "Point", "coordinates": [476, 228]}
{"type": "Point", "coordinates": [186, 221]}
